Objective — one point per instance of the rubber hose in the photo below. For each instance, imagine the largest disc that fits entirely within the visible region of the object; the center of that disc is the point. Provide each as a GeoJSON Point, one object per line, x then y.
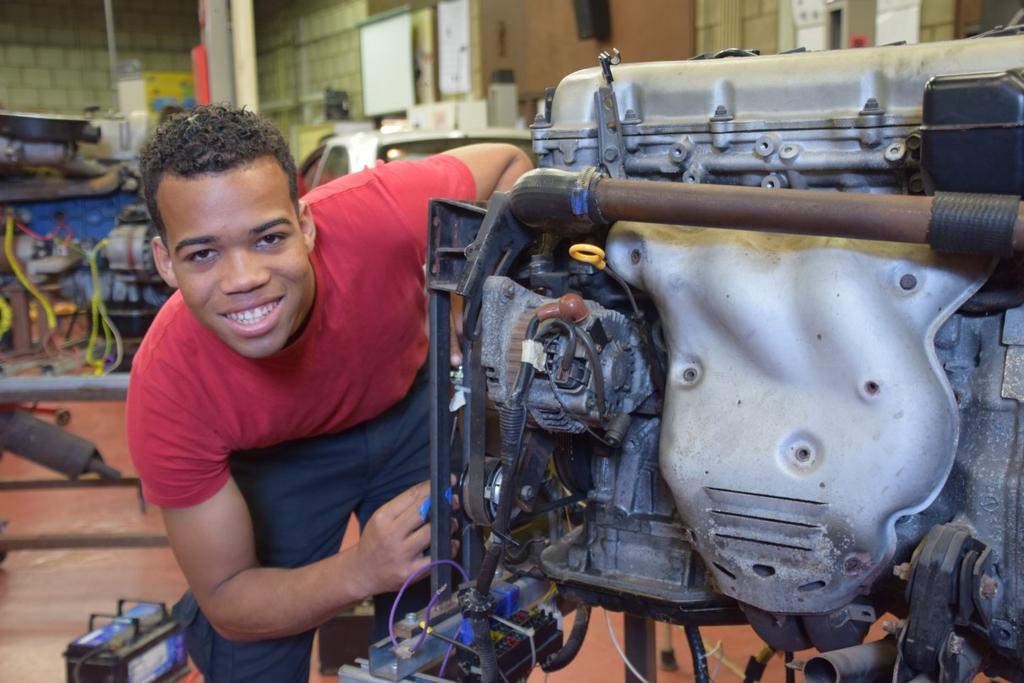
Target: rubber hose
{"type": "Point", "coordinates": [511, 421]}
{"type": "Point", "coordinates": [488, 566]}
{"type": "Point", "coordinates": [559, 660]}
{"type": "Point", "coordinates": [700, 658]}
{"type": "Point", "coordinates": [484, 647]}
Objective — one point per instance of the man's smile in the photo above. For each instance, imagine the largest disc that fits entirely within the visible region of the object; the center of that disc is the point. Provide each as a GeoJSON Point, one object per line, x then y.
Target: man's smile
{"type": "Point", "coordinates": [254, 319]}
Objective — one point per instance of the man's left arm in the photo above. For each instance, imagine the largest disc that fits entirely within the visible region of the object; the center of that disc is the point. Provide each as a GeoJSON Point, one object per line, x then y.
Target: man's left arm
{"type": "Point", "coordinates": [495, 166]}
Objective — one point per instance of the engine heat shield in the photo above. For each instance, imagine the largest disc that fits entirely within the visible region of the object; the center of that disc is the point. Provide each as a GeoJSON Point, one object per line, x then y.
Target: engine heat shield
{"type": "Point", "coordinates": [805, 408]}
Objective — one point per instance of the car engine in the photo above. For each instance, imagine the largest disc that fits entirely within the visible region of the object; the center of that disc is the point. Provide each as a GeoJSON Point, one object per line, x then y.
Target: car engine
{"type": "Point", "coordinates": [748, 347]}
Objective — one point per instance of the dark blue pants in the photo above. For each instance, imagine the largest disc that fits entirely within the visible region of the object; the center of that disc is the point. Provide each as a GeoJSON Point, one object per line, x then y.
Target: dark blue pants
{"type": "Point", "coordinates": [300, 495]}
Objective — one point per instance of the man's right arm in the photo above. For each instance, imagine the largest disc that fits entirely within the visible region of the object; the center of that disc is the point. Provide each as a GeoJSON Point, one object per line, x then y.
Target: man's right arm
{"type": "Point", "coordinates": [213, 543]}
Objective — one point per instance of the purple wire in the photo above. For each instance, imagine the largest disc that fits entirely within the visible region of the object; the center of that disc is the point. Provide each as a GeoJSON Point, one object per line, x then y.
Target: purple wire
{"type": "Point", "coordinates": [412, 577]}
{"type": "Point", "coordinates": [444, 663]}
{"type": "Point", "coordinates": [426, 617]}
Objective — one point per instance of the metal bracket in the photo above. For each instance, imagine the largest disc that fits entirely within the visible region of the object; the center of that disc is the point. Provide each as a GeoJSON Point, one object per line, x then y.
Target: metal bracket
{"type": "Point", "coordinates": [1013, 366]}
{"type": "Point", "coordinates": [952, 593]}
{"type": "Point", "coordinates": [611, 148]}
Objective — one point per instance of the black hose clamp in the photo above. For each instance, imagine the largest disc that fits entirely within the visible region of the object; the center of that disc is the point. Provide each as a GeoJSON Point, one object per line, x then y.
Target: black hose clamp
{"type": "Point", "coordinates": [967, 223]}
{"type": "Point", "coordinates": [476, 605]}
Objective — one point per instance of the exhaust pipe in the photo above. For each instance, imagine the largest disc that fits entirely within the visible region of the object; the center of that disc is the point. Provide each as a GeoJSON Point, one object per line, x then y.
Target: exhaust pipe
{"type": "Point", "coordinates": [858, 664]}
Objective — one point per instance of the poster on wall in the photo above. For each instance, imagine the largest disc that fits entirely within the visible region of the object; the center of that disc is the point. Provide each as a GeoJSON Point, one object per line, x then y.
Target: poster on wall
{"type": "Point", "coordinates": [453, 46]}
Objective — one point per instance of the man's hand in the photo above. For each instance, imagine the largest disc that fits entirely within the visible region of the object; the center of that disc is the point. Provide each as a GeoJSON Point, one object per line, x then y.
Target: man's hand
{"type": "Point", "coordinates": [391, 546]}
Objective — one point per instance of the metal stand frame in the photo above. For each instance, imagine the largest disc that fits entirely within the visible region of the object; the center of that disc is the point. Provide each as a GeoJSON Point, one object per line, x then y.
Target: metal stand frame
{"type": "Point", "coordinates": [76, 388]}
{"type": "Point", "coordinates": [640, 648]}
{"type": "Point", "coordinates": [453, 227]}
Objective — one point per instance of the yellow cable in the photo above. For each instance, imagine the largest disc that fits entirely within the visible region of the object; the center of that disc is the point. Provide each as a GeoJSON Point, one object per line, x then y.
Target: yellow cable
{"type": "Point", "coordinates": [109, 329]}
{"type": "Point", "coordinates": [6, 316]}
{"type": "Point", "coordinates": [118, 342]}
{"type": "Point", "coordinates": [51, 317]}
{"type": "Point", "coordinates": [96, 301]}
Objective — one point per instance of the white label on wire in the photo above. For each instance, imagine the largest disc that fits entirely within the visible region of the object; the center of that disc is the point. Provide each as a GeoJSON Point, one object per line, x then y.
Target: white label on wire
{"type": "Point", "coordinates": [533, 353]}
{"type": "Point", "coordinates": [458, 400]}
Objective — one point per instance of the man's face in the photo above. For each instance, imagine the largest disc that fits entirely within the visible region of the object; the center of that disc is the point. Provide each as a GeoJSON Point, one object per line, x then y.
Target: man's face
{"type": "Point", "coordinates": [239, 254]}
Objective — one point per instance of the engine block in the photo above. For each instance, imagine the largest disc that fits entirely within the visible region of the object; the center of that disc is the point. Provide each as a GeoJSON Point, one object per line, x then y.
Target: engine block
{"type": "Point", "coordinates": [798, 430]}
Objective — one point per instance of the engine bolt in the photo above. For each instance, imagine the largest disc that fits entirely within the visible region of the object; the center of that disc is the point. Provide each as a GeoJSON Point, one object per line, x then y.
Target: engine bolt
{"type": "Point", "coordinates": [989, 587]}
{"type": "Point", "coordinates": [689, 375]}
{"type": "Point", "coordinates": [853, 564]}
{"type": "Point", "coordinates": [766, 145]}
{"type": "Point", "coordinates": [508, 290]}
{"type": "Point", "coordinates": [890, 627]}
{"type": "Point", "coordinates": [902, 571]}
{"type": "Point", "coordinates": [410, 618]}
{"type": "Point", "coordinates": [634, 256]}
{"type": "Point", "coordinates": [895, 152]}
{"type": "Point", "coordinates": [527, 493]}
{"type": "Point", "coordinates": [611, 154]}
{"type": "Point", "coordinates": [908, 282]}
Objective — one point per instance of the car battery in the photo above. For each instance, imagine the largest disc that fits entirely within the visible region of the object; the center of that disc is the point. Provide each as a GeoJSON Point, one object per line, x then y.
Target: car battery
{"type": "Point", "coordinates": [141, 643]}
{"type": "Point", "coordinates": [345, 637]}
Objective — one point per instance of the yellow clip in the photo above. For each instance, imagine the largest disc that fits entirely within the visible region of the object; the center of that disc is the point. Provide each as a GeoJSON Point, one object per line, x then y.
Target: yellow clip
{"type": "Point", "coordinates": [588, 253]}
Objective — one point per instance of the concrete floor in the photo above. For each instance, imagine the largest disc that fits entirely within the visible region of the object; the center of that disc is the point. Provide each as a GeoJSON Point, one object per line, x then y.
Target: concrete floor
{"type": "Point", "coordinates": [47, 596]}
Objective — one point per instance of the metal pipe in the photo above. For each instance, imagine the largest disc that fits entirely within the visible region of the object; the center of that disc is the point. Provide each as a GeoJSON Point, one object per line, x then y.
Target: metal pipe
{"type": "Point", "coordinates": [108, 13]}
{"type": "Point", "coordinates": [803, 212]}
{"type": "Point", "coordinates": [576, 204]}
{"type": "Point", "coordinates": [857, 664]}
{"type": "Point", "coordinates": [64, 388]}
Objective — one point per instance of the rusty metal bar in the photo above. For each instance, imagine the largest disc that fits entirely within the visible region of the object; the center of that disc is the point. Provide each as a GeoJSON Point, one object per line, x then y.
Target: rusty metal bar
{"type": "Point", "coordinates": [37, 484]}
{"type": "Point", "coordinates": [576, 204]}
{"type": "Point", "coordinates": [11, 542]}
{"type": "Point", "coordinates": [894, 218]}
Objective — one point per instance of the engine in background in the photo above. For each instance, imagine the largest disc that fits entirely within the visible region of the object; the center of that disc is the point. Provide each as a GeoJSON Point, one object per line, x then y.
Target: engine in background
{"type": "Point", "coordinates": [78, 227]}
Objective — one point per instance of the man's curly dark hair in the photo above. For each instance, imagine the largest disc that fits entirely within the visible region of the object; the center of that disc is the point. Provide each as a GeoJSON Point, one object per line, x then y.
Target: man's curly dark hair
{"type": "Point", "coordinates": [210, 139]}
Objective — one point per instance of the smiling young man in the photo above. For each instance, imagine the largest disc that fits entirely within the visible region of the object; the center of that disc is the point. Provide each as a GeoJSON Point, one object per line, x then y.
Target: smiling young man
{"type": "Point", "coordinates": [278, 391]}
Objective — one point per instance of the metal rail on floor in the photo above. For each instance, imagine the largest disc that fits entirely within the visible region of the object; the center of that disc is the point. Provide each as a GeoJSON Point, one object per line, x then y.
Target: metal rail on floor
{"type": "Point", "coordinates": [65, 388]}
{"type": "Point", "coordinates": [16, 390]}
{"type": "Point", "coordinates": [9, 542]}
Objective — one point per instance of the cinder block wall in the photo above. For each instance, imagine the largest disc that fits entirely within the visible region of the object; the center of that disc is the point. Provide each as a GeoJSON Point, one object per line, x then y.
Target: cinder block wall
{"type": "Point", "coordinates": [53, 53]}
{"type": "Point", "coordinates": [937, 20]}
{"type": "Point", "coordinates": [746, 24]}
{"type": "Point", "coordinates": [302, 47]}
{"type": "Point", "coordinates": [753, 23]}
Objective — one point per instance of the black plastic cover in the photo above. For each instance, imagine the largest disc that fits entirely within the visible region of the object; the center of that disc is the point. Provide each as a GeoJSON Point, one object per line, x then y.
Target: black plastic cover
{"type": "Point", "coordinates": [47, 128]}
{"type": "Point", "coordinates": [973, 132]}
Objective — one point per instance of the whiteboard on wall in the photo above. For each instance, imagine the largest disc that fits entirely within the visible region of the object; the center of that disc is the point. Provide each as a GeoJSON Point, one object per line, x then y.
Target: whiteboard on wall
{"type": "Point", "coordinates": [897, 20]}
{"type": "Point", "coordinates": [385, 47]}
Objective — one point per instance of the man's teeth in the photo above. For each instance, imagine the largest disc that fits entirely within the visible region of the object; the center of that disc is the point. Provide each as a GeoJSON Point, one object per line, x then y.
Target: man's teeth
{"type": "Point", "coordinates": [253, 315]}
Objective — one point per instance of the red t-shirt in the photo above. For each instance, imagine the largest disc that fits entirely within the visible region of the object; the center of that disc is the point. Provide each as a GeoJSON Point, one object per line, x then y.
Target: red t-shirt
{"type": "Point", "coordinates": [192, 400]}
